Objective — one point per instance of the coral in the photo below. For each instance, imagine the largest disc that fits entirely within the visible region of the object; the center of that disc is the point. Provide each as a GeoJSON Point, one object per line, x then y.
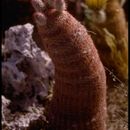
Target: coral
{"type": "Point", "coordinates": [79, 95]}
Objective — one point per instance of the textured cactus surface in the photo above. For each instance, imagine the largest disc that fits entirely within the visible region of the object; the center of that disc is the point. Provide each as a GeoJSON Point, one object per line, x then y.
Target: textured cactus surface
{"type": "Point", "coordinates": [79, 96]}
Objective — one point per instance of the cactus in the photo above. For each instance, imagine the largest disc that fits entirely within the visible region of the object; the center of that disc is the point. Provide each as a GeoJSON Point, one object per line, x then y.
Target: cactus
{"type": "Point", "coordinates": [112, 34]}
{"type": "Point", "coordinates": [96, 4]}
{"type": "Point", "coordinates": [79, 95]}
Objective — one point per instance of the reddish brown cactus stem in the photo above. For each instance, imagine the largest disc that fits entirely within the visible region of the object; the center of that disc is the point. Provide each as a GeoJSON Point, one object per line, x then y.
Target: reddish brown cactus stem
{"type": "Point", "coordinates": [79, 97]}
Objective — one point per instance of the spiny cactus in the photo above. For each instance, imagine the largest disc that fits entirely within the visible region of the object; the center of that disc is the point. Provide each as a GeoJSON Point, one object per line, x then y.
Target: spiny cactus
{"type": "Point", "coordinates": [96, 4]}
{"type": "Point", "coordinates": [112, 34]}
{"type": "Point", "coordinates": [95, 10]}
{"type": "Point", "coordinates": [79, 96]}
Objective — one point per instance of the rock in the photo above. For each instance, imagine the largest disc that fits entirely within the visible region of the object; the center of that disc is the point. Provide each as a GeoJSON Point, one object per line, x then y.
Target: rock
{"type": "Point", "coordinates": [27, 71]}
{"type": "Point", "coordinates": [22, 121]}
